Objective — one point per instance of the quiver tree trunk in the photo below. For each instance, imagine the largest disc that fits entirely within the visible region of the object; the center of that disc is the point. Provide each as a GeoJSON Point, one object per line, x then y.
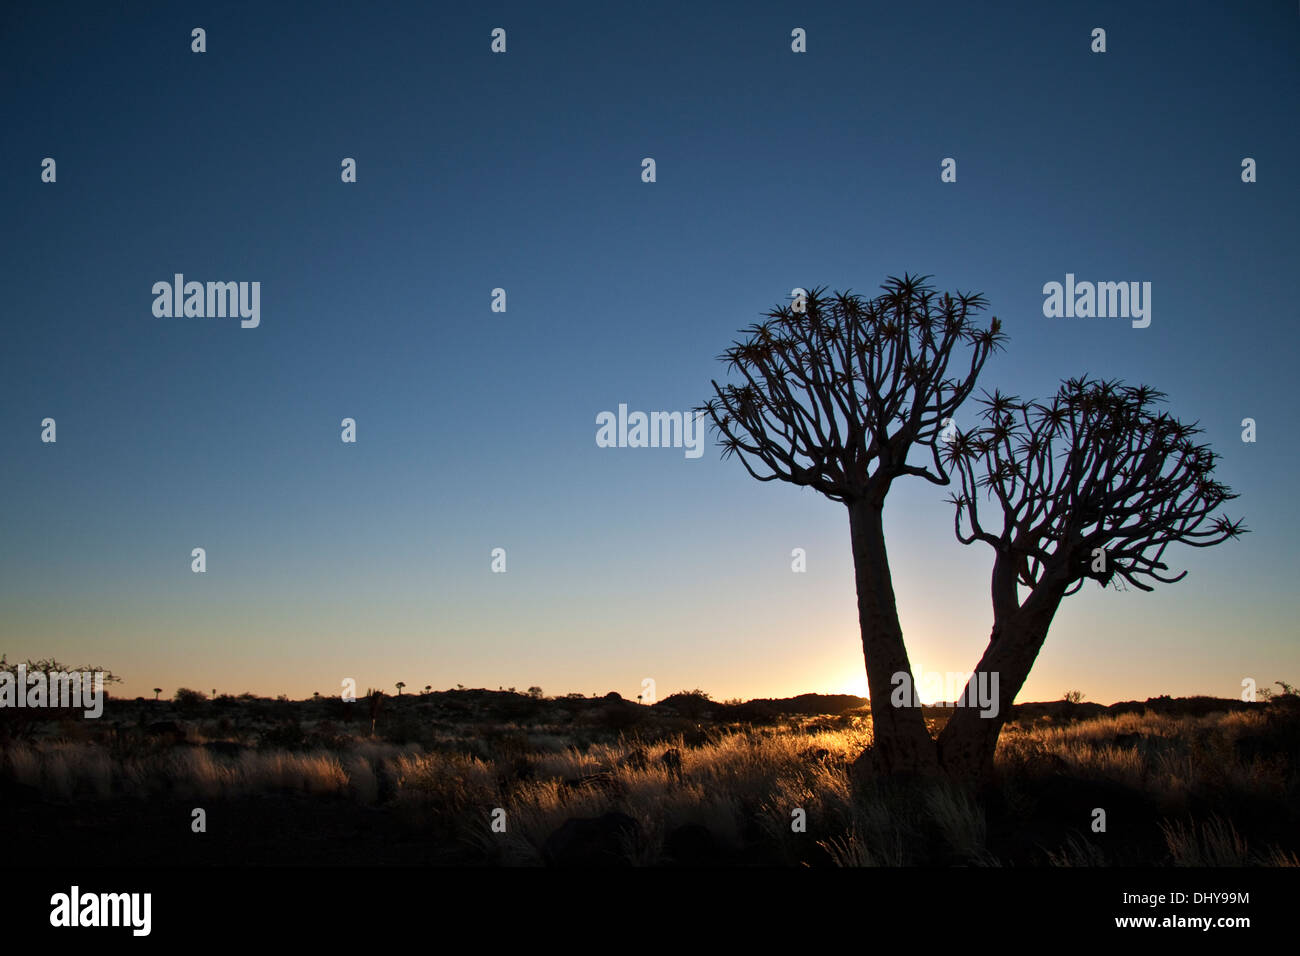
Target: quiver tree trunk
{"type": "Point", "coordinates": [901, 744]}
{"type": "Point", "coordinates": [968, 742]}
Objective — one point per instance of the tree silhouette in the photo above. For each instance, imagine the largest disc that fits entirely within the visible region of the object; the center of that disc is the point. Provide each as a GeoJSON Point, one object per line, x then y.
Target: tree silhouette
{"type": "Point", "coordinates": [21, 722]}
{"type": "Point", "coordinates": [1095, 483]}
{"type": "Point", "coordinates": [156, 692]}
{"type": "Point", "coordinates": [189, 700]}
{"type": "Point", "coordinates": [400, 685]}
{"type": "Point", "coordinates": [48, 666]}
{"type": "Point", "coordinates": [835, 392]}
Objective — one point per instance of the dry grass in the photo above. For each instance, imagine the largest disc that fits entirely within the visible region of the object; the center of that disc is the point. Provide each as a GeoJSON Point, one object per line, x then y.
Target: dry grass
{"type": "Point", "coordinates": [64, 771]}
{"type": "Point", "coordinates": [1173, 758]}
{"type": "Point", "coordinates": [744, 786]}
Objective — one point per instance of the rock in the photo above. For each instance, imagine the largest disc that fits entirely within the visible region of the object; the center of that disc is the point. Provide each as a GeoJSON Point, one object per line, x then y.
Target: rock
{"type": "Point", "coordinates": [672, 759]}
{"type": "Point", "coordinates": [608, 840]}
{"type": "Point", "coordinates": [167, 728]}
{"type": "Point", "coordinates": [519, 770]}
{"type": "Point", "coordinates": [635, 760]}
{"type": "Point", "coordinates": [699, 737]}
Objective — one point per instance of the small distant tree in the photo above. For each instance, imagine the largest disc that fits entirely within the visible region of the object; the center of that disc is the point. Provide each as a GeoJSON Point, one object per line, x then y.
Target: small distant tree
{"type": "Point", "coordinates": [1093, 484]}
{"type": "Point", "coordinates": [156, 692]}
{"type": "Point", "coordinates": [535, 693]}
{"type": "Point", "coordinates": [400, 685]}
{"type": "Point", "coordinates": [1073, 697]}
{"type": "Point", "coordinates": [428, 688]}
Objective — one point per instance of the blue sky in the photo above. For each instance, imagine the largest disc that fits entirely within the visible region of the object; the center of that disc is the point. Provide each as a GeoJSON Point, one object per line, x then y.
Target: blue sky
{"type": "Point", "coordinates": [476, 429]}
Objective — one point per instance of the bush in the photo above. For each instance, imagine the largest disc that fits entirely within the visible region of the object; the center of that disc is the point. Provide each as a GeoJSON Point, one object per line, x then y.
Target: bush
{"type": "Point", "coordinates": [189, 700]}
{"type": "Point", "coordinates": [689, 703]}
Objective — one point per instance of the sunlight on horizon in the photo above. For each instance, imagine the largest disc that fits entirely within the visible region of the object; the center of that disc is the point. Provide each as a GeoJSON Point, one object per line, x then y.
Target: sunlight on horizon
{"type": "Point", "coordinates": [854, 683]}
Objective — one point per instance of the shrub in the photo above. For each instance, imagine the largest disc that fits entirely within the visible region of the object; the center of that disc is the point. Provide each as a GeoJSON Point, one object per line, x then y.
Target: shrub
{"type": "Point", "coordinates": [188, 700]}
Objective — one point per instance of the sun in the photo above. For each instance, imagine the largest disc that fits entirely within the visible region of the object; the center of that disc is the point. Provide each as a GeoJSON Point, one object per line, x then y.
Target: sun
{"type": "Point", "coordinates": [852, 682]}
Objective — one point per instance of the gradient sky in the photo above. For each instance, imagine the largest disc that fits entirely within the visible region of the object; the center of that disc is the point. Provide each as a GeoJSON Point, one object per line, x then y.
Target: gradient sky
{"type": "Point", "coordinates": [477, 429]}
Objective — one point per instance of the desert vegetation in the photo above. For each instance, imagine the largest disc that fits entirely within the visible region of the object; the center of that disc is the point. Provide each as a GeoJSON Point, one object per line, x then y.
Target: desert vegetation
{"type": "Point", "coordinates": [688, 781]}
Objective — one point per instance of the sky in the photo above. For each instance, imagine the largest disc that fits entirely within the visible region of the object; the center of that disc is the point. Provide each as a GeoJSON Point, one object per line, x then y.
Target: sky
{"type": "Point", "coordinates": [476, 429]}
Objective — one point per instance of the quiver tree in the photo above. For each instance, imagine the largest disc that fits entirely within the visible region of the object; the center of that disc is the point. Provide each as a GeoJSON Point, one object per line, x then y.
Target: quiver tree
{"type": "Point", "coordinates": [835, 392]}
{"type": "Point", "coordinates": [1095, 483]}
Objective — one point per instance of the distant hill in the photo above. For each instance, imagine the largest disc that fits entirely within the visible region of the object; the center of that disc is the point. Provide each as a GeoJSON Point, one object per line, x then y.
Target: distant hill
{"type": "Point", "coordinates": [694, 705]}
{"type": "Point", "coordinates": [480, 703]}
{"type": "Point", "coordinates": [1190, 706]}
